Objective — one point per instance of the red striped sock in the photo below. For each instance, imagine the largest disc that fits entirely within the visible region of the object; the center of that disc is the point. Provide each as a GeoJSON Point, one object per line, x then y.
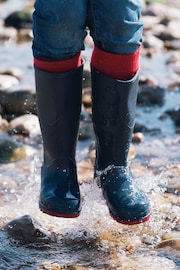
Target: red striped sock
{"type": "Point", "coordinates": [59, 66]}
{"type": "Point", "coordinates": [117, 66]}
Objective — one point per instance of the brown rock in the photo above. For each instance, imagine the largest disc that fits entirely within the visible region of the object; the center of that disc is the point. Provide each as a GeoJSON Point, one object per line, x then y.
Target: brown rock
{"type": "Point", "coordinates": [173, 243]}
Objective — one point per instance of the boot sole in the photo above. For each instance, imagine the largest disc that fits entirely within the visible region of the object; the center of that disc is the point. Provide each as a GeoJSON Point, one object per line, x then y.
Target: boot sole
{"type": "Point", "coordinates": [61, 215]}
{"type": "Point", "coordinates": [145, 219]}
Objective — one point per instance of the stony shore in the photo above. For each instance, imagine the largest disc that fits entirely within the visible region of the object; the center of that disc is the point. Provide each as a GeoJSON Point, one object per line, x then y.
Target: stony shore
{"type": "Point", "coordinates": [154, 156]}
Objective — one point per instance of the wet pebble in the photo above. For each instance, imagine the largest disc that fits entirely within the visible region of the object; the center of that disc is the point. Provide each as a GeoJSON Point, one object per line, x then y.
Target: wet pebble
{"type": "Point", "coordinates": [152, 42]}
{"type": "Point", "coordinates": [18, 101]}
{"type": "Point", "coordinates": [85, 131]}
{"type": "Point", "coordinates": [173, 243]}
{"type": "Point", "coordinates": [161, 10]}
{"type": "Point", "coordinates": [147, 80]}
{"type": "Point", "coordinates": [175, 115]}
{"type": "Point", "coordinates": [141, 128]}
{"type": "Point", "coordinates": [150, 21]}
{"type": "Point", "coordinates": [171, 31]}
{"type": "Point", "coordinates": [173, 44]}
{"type": "Point", "coordinates": [173, 187]}
{"type": "Point", "coordinates": [86, 78]}
{"type": "Point", "coordinates": [7, 81]}
{"type": "Point", "coordinates": [7, 33]}
{"type": "Point", "coordinates": [15, 72]}
{"type": "Point", "coordinates": [138, 137]}
{"type": "Point", "coordinates": [86, 99]}
{"type": "Point", "coordinates": [173, 57]}
{"type": "Point", "coordinates": [26, 125]}
{"type": "Point", "coordinates": [24, 35]}
{"type": "Point", "coordinates": [84, 115]}
{"type": "Point", "coordinates": [19, 19]}
{"type": "Point", "coordinates": [161, 27]}
{"type": "Point", "coordinates": [10, 150]}
{"type": "Point", "coordinates": [151, 95]}
{"type": "Point", "coordinates": [28, 230]}
{"type": "Point", "coordinates": [4, 125]}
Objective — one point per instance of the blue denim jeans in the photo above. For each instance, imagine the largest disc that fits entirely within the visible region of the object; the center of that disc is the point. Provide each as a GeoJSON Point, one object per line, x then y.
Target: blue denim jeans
{"type": "Point", "coordinates": [59, 27]}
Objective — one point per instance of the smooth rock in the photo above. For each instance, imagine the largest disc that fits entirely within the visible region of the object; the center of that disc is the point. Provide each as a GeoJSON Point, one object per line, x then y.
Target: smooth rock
{"type": "Point", "coordinates": [7, 81]}
{"type": "Point", "coordinates": [151, 95]}
{"type": "Point", "coordinates": [19, 19]}
{"type": "Point", "coordinates": [27, 125]}
{"type": "Point", "coordinates": [86, 131]}
{"type": "Point", "coordinates": [7, 33]}
{"type": "Point", "coordinates": [86, 78]}
{"type": "Point", "coordinates": [10, 150]}
{"type": "Point", "coordinates": [161, 10]}
{"type": "Point", "coordinates": [4, 125]}
{"type": "Point", "coordinates": [15, 72]}
{"type": "Point", "coordinates": [138, 137]}
{"type": "Point", "coordinates": [18, 101]}
{"type": "Point", "coordinates": [151, 41]}
{"type": "Point", "coordinates": [173, 243]}
{"type": "Point", "coordinates": [175, 115]}
{"type": "Point", "coordinates": [28, 230]}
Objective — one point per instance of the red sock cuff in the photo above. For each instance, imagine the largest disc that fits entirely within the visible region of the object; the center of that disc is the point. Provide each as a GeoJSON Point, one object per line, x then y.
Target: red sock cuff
{"type": "Point", "coordinates": [117, 66]}
{"type": "Point", "coordinates": [59, 66]}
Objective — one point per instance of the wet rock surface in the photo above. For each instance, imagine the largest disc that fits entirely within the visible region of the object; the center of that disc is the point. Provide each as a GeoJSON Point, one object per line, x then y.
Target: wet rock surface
{"type": "Point", "coordinates": [28, 230]}
{"type": "Point", "coordinates": [11, 150]}
{"type": "Point", "coordinates": [32, 240]}
{"type": "Point", "coordinates": [19, 19]}
{"type": "Point", "coordinates": [17, 101]}
{"type": "Point", "coordinates": [26, 125]}
{"type": "Point", "coordinates": [173, 243]}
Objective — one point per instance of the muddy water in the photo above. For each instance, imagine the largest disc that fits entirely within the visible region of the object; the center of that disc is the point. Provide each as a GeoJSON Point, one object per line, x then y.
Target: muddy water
{"type": "Point", "coordinates": [94, 240]}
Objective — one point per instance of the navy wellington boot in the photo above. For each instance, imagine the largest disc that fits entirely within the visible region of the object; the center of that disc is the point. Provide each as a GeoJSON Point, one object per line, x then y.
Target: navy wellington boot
{"type": "Point", "coordinates": [59, 105]}
{"type": "Point", "coordinates": [113, 112]}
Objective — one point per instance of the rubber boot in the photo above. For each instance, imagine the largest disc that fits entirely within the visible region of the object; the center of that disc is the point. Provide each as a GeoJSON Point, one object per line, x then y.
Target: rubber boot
{"type": "Point", "coordinates": [59, 104]}
{"type": "Point", "coordinates": [113, 113]}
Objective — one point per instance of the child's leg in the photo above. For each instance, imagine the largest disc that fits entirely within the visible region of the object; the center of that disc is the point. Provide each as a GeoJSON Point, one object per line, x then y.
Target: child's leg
{"type": "Point", "coordinates": [115, 64]}
{"type": "Point", "coordinates": [59, 31]}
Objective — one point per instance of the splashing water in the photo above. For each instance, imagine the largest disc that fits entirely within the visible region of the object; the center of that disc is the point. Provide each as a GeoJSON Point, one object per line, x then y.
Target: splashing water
{"type": "Point", "coordinates": [93, 240]}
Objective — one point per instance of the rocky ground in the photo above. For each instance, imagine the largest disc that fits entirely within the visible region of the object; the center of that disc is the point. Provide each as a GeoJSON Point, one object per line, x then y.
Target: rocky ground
{"type": "Point", "coordinates": [154, 155]}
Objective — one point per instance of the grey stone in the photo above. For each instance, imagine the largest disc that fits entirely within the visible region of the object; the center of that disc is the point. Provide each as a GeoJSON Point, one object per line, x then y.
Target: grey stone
{"type": "Point", "coordinates": [29, 230]}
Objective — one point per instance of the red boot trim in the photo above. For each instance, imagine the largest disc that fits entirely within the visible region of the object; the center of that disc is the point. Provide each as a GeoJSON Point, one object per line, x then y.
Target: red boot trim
{"type": "Point", "coordinates": [132, 222]}
{"type": "Point", "coordinates": [54, 214]}
{"type": "Point", "coordinates": [59, 66]}
{"type": "Point", "coordinates": [118, 66]}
